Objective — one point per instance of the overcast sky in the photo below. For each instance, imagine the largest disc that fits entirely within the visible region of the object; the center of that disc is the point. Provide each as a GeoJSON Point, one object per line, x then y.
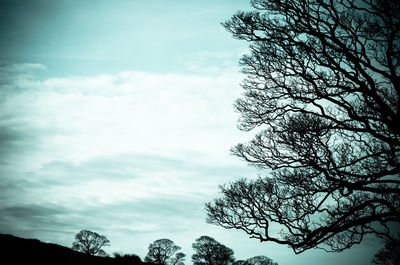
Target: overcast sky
{"type": "Point", "coordinates": [116, 116]}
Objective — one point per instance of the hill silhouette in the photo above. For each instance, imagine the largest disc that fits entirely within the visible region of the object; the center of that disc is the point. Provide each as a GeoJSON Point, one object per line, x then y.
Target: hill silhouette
{"type": "Point", "coordinates": [16, 250]}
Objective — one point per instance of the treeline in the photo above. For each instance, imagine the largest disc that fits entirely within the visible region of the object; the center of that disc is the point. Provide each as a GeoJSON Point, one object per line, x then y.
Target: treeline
{"type": "Point", "coordinates": [207, 251]}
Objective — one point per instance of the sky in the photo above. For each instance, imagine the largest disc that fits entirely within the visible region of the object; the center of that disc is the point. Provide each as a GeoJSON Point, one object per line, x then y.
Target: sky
{"type": "Point", "coordinates": [117, 117]}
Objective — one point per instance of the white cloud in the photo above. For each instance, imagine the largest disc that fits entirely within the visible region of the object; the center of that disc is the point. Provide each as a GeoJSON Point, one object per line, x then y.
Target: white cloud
{"type": "Point", "coordinates": [97, 144]}
{"type": "Point", "coordinates": [129, 111]}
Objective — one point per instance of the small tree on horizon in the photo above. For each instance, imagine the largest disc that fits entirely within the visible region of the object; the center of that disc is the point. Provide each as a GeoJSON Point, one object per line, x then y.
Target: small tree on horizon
{"type": "Point", "coordinates": [161, 251]}
{"type": "Point", "coordinates": [90, 243]}
{"type": "Point", "coordinates": [208, 251]}
{"type": "Point", "coordinates": [127, 258]}
{"type": "Point", "coordinates": [260, 260]}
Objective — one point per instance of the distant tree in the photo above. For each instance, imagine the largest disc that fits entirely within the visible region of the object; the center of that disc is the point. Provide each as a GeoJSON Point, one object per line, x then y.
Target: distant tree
{"type": "Point", "coordinates": [208, 251]}
{"type": "Point", "coordinates": [90, 243]}
{"type": "Point", "coordinates": [260, 260]}
{"type": "Point", "coordinates": [127, 258]}
{"type": "Point", "coordinates": [323, 89]}
{"type": "Point", "coordinates": [257, 260]}
{"type": "Point", "coordinates": [390, 254]}
{"type": "Point", "coordinates": [161, 251]}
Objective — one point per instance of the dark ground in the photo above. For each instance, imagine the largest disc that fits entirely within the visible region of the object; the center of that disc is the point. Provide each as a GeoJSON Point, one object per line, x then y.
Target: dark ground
{"type": "Point", "coordinates": [15, 250]}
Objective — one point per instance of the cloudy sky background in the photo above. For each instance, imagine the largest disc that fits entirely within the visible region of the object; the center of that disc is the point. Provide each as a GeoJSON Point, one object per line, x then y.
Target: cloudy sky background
{"type": "Point", "coordinates": [117, 117]}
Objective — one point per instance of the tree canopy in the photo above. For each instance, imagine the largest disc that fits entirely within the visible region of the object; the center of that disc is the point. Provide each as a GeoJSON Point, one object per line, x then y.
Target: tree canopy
{"type": "Point", "coordinates": [261, 260]}
{"type": "Point", "coordinates": [208, 251]}
{"type": "Point", "coordinates": [90, 243]}
{"type": "Point", "coordinates": [322, 89]}
{"type": "Point", "coordinates": [257, 260]}
{"type": "Point", "coordinates": [161, 251]}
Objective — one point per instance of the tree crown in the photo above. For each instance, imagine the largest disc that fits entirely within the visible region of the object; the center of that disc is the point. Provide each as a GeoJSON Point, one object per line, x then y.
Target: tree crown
{"type": "Point", "coordinates": [90, 243]}
{"type": "Point", "coordinates": [161, 252]}
{"type": "Point", "coordinates": [208, 251]}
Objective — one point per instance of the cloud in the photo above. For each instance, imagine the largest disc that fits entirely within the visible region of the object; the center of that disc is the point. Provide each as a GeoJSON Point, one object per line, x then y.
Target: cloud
{"type": "Point", "coordinates": [14, 78]}
{"type": "Point", "coordinates": [125, 154]}
{"type": "Point", "coordinates": [125, 179]}
{"type": "Point", "coordinates": [32, 220]}
{"type": "Point", "coordinates": [127, 111]}
{"type": "Point", "coordinates": [26, 212]}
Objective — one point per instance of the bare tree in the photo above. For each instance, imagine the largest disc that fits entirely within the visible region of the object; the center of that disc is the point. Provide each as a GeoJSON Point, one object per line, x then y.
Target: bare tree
{"type": "Point", "coordinates": [161, 252]}
{"type": "Point", "coordinates": [208, 251]}
{"type": "Point", "coordinates": [323, 88]}
{"type": "Point", "coordinates": [90, 243]}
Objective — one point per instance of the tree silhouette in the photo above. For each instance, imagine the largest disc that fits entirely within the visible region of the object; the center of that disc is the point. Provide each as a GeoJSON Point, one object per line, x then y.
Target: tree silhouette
{"type": "Point", "coordinates": [208, 251]}
{"type": "Point", "coordinates": [323, 88]}
{"type": "Point", "coordinates": [90, 243]}
{"type": "Point", "coordinates": [161, 251]}
{"type": "Point", "coordinates": [257, 260]}
{"type": "Point", "coordinates": [260, 260]}
{"type": "Point", "coordinates": [127, 258]}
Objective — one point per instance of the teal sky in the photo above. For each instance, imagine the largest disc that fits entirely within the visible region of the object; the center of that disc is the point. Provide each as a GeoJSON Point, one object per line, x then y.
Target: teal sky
{"type": "Point", "coordinates": [116, 116]}
{"type": "Point", "coordinates": [96, 36]}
